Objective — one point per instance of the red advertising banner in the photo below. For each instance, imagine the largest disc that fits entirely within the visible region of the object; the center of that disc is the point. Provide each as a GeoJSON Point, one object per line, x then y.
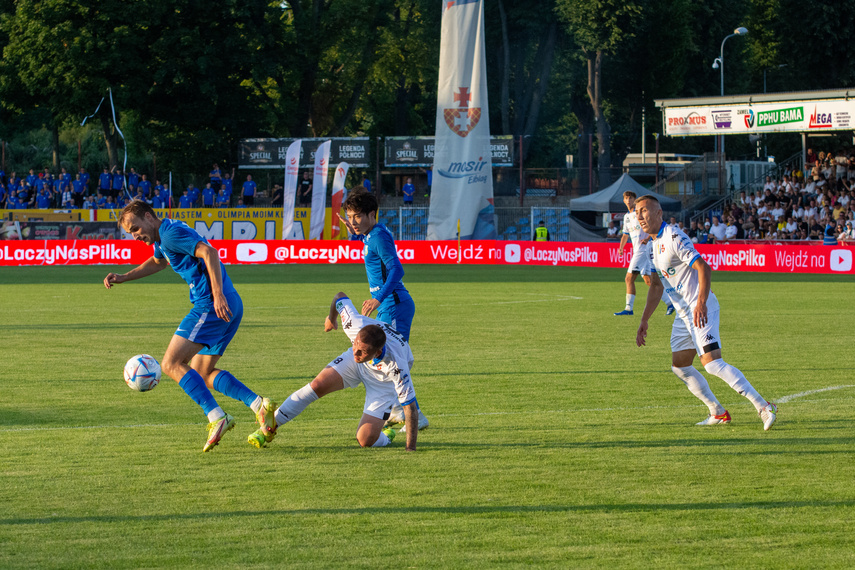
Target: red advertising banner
{"type": "Point", "coordinates": [725, 257]}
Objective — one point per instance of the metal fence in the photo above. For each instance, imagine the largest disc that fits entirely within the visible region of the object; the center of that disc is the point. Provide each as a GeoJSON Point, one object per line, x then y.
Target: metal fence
{"type": "Point", "coordinates": [512, 224]}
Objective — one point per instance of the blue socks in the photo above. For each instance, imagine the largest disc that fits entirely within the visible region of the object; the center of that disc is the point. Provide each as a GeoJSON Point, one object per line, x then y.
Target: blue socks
{"type": "Point", "coordinates": [193, 384]}
{"type": "Point", "coordinates": [227, 384]}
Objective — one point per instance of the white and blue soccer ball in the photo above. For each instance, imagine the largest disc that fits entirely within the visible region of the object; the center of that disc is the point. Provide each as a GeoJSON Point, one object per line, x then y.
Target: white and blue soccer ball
{"type": "Point", "coordinates": [142, 373]}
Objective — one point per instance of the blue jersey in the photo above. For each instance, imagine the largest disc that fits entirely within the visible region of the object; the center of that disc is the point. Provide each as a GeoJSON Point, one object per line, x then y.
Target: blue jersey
{"type": "Point", "coordinates": [383, 267]}
{"type": "Point", "coordinates": [177, 244]}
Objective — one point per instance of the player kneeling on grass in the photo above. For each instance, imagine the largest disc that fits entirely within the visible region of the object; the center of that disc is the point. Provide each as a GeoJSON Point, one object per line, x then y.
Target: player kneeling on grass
{"type": "Point", "coordinates": [687, 278]}
{"type": "Point", "coordinates": [208, 328]}
{"type": "Point", "coordinates": [380, 359]}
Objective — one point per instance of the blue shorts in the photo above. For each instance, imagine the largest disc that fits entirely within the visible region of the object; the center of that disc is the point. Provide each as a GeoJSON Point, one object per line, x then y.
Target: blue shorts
{"type": "Point", "coordinates": [398, 315]}
{"type": "Point", "coordinates": [203, 326]}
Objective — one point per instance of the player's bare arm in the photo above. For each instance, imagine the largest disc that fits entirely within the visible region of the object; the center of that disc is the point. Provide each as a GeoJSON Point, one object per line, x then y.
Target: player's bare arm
{"type": "Point", "coordinates": [623, 239]}
{"type": "Point", "coordinates": [704, 279]}
{"type": "Point", "coordinates": [654, 295]}
{"type": "Point", "coordinates": [212, 261]}
{"type": "Point", "coordinates": [369, 306]}
{"type": "Point", "coordinates": [331, 322]}
{"type": "Point", "coordinates": [347, 224]}
{"type": "Point", "coordinates": [149, 267]}
{"type": "Point", "coordinates": [411, 420]}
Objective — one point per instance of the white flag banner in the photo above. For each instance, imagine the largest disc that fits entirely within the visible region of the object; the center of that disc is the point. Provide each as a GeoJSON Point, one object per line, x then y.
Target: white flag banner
{"type": "Point", "coordinates": [462, 164]}
{"type": "Point", "coordinates": [319, 190]}
{"type": "Point", "coordinates": [289, 191]}
{"type": "Point", "coordinates": [338, 192]}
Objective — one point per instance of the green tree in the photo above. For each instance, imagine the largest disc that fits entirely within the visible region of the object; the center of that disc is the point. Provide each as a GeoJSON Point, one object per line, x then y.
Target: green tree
{"type": "Point", "coordinates": [598, 29]}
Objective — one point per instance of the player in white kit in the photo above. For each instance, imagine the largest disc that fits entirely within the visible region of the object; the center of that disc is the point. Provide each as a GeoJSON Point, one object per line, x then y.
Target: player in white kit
{"type": "Point", "coordinates": [687, 279]}
{"type": "Point", "coordinates": [380, 359]}
{"type": "Point", "coordinates": [640, 261]}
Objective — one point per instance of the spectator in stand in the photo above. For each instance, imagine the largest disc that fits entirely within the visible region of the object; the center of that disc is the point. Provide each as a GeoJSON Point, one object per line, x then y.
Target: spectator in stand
{"type": "Point", "coordinates": [208, 195]}
{"type": "Point", "coordinates": [145, 186]}
{"type": "Point", "coordinates": [64, 180]}
{"type": "Point", "coordinates": [105, 182]}
{"type": "Point", "coordinates": [365, 182]}
{"type": "Point", "coordinates": [837, 211]}
{"type": "Point", "coordinates": [769, 185]}
{"type": "Point", "coordinates": [249, 188]}
{"type": "Point", "coordinates": [133, 178]}
{"type": "Point", "coordinates": [717, 231]}
{"type": "Point", "coordinates": [841, 164]}
{"type": "Point", "coordinates": [223, 198]}
{"type": "Point", "coordinates": [84, 177]}
{"type": "Point", "coordinates": [43, 199]}
{"type": "Point", "coordinates": [744, 202]}
{"type": "Point", "coordinates": [79, 189]}
{"type": "Point", "coordinates": [731, 230]}
{"type": "Point", "coordinates": [193, 193]}
{"type": "Point", "coordinates": [139, 196]}
{"type": "Point", "coordinates": [757, 200]}
{"type": "Point", "coordinates": [612, 231]}
{"type": "Point", "coordinates": [792, 228]}
{"type": "Point", "coordinates": [829, 236]}
{"type": "Point", "coordinates": [693, 231]}
{"type": "Point", "coordinates": [159, 201]}
{"type": "Point", "coordinates": [842, 234]}
{"type": "Point", "coordinates": [816, 230]}
{"type": "Point", "coordinates": [778, 211]}
{"type": "Point", "coordinates": [304, 190]}
{"type": "Point", "coordinates": [215, 178]}
{"type": "Point", "coordinates": [240, 203]}
{"type": "Point", "coordinates": [185, 201]}
{"type": "Point", "coordinates": [704, 233]}
{"type": "Point", "coordinates": [409, 191]}
{"type": "Point", "coordinates": [227, 183]}
{"type": "Point", "coordinates": [810, 159]}
{"type": "Point", "coordinates": [110, 204]}
{"type": "Point", "coordinates": [102, 200]}
{"type": "Point", "coordinates": [67, 199]}
{"type": "Point", "coordinates": [2, 194]}
{"type": "Point", "coordinates": [31, 178]}
{"type": "Point", "coordinates": [278, 197]}
{"type": "Point", "coordinates": [118, 185]}
{"type": "Point", "coordinates": [749, 228]}
{"type": "Point", "coordinates": [88, 203]}
{"type": "Point", "coordinates": [157, 187]}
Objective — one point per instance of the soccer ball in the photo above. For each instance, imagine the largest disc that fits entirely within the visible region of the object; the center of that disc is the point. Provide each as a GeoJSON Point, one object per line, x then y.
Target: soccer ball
{"type": "Point", "coordinates": [142, 373]}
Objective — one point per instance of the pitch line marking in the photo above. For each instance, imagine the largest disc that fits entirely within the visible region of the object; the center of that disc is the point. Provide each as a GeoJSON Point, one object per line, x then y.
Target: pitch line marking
{"type": "Point", "coordinates": [561, 298]}
{"type": "Point", "coordinates": [785, 399]}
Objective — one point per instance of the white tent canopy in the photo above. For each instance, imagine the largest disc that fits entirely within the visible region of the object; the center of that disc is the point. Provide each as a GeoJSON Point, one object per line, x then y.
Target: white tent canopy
{"type": "Point", "coordinates": [611, 199]}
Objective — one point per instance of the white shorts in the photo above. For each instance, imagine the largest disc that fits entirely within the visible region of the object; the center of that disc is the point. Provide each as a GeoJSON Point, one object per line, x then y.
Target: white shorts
{"type": "Point", "coordinates": [640, 261]}
{"type": "Point", "coordinates": [379, 396]}
{"type": "Point", "coordinates": [688, 337]}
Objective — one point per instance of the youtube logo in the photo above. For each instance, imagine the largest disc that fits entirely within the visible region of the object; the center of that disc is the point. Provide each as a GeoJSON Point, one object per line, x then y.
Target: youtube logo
{"type": "Point", "coordinates": [252, 252]}
{"type": "Point", "coordinates": [841, 260]}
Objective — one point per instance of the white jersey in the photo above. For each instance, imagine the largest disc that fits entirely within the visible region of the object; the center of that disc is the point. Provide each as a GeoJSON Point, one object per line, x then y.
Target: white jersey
{"type": "Point", "coordinates": [392, 368]}
{"type": "Point", "coordinates": [672, 254]}
{"type": "Point", "coordinates": [632, 228]}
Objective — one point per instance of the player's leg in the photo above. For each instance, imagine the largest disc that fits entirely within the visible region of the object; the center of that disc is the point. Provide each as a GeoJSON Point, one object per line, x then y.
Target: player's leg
{"type": "Point", "coordinates": [340, 373]}
{"type": "Point", "coordinates": [175, 363]}
{"type": "Point", "coordinates": [707, 338]}
{"type": "Point", "coordinates": [631, 275]}
{"type": "Point", "coordinates": [683, 353]}
{"type": "Point", "coordinates": [379, 398]}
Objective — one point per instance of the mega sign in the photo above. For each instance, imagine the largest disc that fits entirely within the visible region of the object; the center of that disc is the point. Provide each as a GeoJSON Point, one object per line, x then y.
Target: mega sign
{"type": "Point", "coordinates": [759, 118]}
{"type": "Point", "coordinates": [764, 258]}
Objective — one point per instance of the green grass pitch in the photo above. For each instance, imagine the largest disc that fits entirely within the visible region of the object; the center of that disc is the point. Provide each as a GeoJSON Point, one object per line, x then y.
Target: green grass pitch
{"type": "Point", "coordinates": [554, 441]}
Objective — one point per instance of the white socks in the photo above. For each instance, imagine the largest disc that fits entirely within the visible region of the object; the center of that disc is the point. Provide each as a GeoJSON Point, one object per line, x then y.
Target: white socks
{"type": "Point", "coordinates": [630, 301]}
{"type": "Point", "coordinates": [256, 404]}
{"type": "Point", "coordinates": [382, 441]}
{"type": "Point", "coordinates": [295, 404]}
{"type": "Point", "coordinates": [736, 380]}
{"type": "Point", "coordinates": [698, 386]}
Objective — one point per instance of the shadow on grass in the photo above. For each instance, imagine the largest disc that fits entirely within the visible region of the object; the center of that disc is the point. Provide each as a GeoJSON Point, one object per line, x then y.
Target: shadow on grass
{"type": "Point", "coordinates": [473, 510]}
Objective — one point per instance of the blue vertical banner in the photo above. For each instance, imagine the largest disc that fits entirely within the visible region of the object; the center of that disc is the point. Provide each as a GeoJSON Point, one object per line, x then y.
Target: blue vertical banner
{"type": "Point", "coordinates": [462, 169]}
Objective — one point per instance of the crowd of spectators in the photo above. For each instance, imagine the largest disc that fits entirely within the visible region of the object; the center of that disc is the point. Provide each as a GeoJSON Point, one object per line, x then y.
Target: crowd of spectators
{"type": "Point", "coordinates": [817, 207]}
{"type": "Point", "coordinates": [113, 189]}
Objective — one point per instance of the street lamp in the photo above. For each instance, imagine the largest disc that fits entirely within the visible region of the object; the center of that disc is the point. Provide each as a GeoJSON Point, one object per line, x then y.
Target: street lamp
{"type": "Point", "coordinates": [718, 63]}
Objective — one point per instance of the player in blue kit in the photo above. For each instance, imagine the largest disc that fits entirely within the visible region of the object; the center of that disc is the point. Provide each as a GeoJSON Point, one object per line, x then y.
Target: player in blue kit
{"type": "Point", "coordinates": [389, 296]}
{"type": "Point", "coordinates": [206, 331]}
